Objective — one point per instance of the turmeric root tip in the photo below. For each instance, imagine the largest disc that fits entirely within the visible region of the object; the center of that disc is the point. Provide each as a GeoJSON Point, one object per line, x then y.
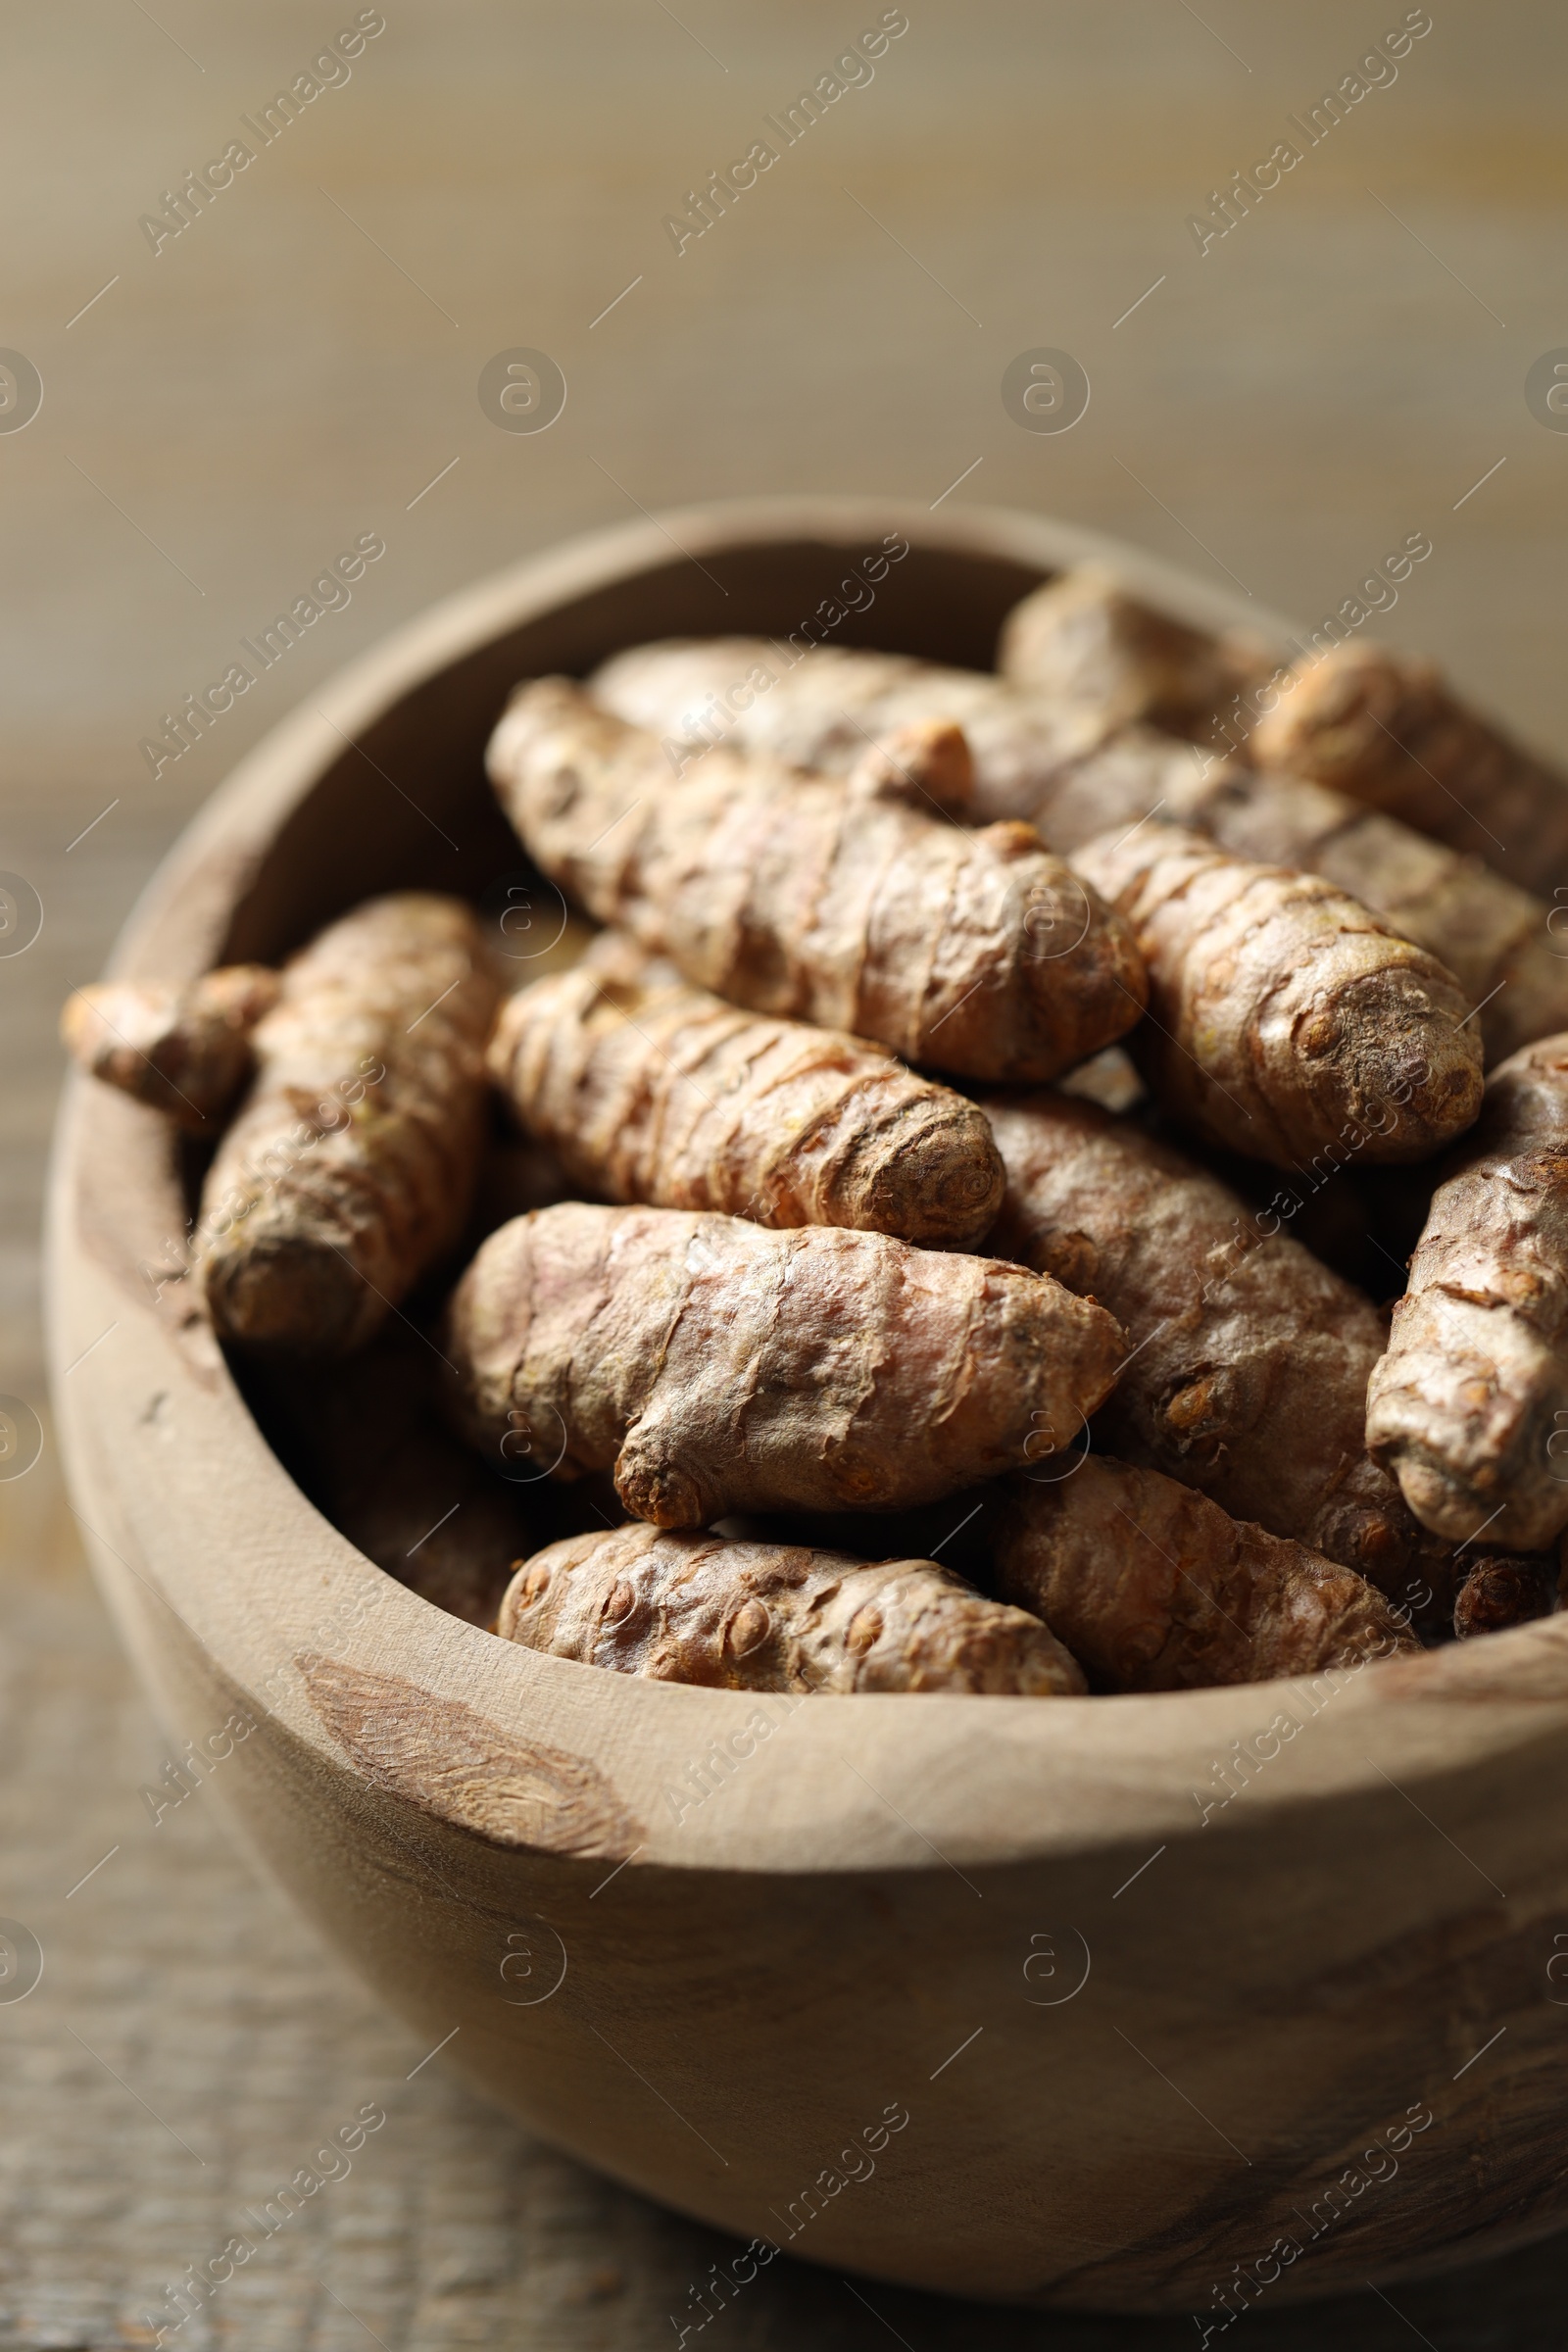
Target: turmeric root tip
{"type": "Point", "coordinates": [651, 1089]}
{"type": "Point", "coordinates": [186, 1051]}
{"type": "Point", "coordinates": [1389, 732]}
{"type": "Point", "coordinates": [1284, 1020]}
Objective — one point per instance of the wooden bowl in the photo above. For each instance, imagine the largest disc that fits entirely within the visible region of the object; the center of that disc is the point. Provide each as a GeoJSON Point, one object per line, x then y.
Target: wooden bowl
{"type": "Point", "coordinates": [1135, 2003]}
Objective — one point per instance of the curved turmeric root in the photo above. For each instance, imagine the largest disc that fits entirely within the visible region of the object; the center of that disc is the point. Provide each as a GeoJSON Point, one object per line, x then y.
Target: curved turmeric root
{"type": "Point", "coordinates": [349, 1167]}
{"type": "Point", "coordinates": [1282, 1018]}
{"type": "Point", "coordinates": [1085, 639]}
{"type": "Point", "coordinates": [717, 1366]}
{"type": "Point", "coordinates": [186, 1051]}
{"type": "Point", "coordinates": [694, 1608]}
{"type": "Point", "coordinates": [1499, 1592]}
{"type": "Point", "coordinates": [1246, 1360]}
{"type": "Point", "coordinates": [1389, 732]}
{"type": "Point", "coordinates": [809, 898]}
{"type": "Point", "coordinates": [1061, 749]}
{"type": "Point", "coordinates": [1495, 938]}
{"type": "Point", "coordinates": [1469, 1407]}
{"type": "Point", "coordinates": [1154, 1588]}
{"type": "Point", "coordinates": [821, 709]}
{"type": "Point", "coordinates": [650, 1090]}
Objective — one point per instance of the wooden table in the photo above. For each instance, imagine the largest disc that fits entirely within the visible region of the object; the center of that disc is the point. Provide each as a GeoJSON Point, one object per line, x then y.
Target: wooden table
{"type": "Point", "coordinates": [299, 364]}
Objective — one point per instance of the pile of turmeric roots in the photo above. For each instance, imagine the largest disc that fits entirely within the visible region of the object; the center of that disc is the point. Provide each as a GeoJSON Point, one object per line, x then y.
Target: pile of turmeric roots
{"type": "Point", "coordinates": [923, 1156]}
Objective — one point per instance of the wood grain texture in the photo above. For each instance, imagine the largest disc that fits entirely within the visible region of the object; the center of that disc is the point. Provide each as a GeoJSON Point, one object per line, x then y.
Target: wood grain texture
{"type": "Point", "coordinates": [459, 1766]}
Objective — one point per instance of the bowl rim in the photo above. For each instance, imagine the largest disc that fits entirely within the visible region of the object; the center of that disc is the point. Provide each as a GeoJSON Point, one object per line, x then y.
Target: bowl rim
{"type": "Point", "coordinates": [994, 1780]}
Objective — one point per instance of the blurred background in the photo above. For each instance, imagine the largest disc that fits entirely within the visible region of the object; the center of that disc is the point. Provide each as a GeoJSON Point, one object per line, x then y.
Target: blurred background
{"type": "Point", "coordinates": [201, 402]}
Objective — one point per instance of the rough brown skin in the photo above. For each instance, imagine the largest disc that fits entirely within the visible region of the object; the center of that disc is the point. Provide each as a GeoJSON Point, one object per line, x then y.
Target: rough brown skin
{"type": "Point", "coordinates": [1469, 1407]}
{"type": "Point", "coordinates": [1154, 1588]}
{"type": "Point", "coordinates": [717, 1366]}
{"type": "Point", "coordinates": [350, 1165]}
{"type": "Point", "coordinates": [1502, 1592]}
{"type": "Point", "coordinates": [366, 1441]}
{"type": "Point", "coordinates": [1072, 767]}
{"type": "Point", "coordinates": [186, 1051]}
{"type": "Point", "coordinates": [651, 1089]}
{"type": "Point", "coordinates": [814, 898]}
{"type": "Point", "coordinates": [1248, 1359]}
{"type": "Point", "coordinates": [823, 709]}
{"type": "Point", "coordinates": [1496, 939]}
{"type": "Point", "coordinates": [1282, 1018]}
{"type": "Point", "coordinates": [1084, 639]}
{"type": "Point", "coordinates": [1389, 732]}
{"type": "Point", "coordinates": [694, 1608]}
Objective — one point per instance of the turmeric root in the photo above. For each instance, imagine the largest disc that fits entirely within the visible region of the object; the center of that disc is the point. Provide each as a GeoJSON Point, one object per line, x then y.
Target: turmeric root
{"type": "Point", "coordinates": [1500, 1591]}
{"type": "Point", "coordinates": [366, 1443]}
{"type": "Point", "coordinates": [1246, 1360]}
{"type": "Point", "coordinates": [824, 709]}
{"type": "Point", "coordinates": [694, 1608]}
{"type": "Point", "coordinates": [1469, 1407]}
{"type": "Point", "coordinates": [1389, 732]}
{"type": "Point", "coordinates": [811, 898]}
{"type": "Point", "coordinates": [182, 1051]}
{"type": "Point", "coordinates": [650, 1090]}
{"type": "Point", "coordinates": [1084, 639]}
{"type": "Point", "coordinates": [1282, 1018]}
{"type": "Point", "coordinates": [1496, 939]}
{"type": "Point", "coordinates": [349, 1167]}
{"type": "Point", "coordinates": [1073, 769]}
{"type": "Point", "coordinates": [1493, 937]}
{"type": "Point", "coordinates": [717, 1366]}
{"type": "Point", "coordinates": [1154, 1588]}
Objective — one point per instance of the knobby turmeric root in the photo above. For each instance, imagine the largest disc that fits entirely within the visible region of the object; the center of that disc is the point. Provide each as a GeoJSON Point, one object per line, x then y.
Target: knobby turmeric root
{"type": "Point", "coordinates": [651, 1089]}
{"type": "Point", "coordinates": [349, 1167]}
{"type": "Point", "coordinates": [1246, 1360]}
{"type": "Point", "coordinates": [1282, 1018]}
{"type": "Point", "coordinates": [186, 1051]}
{"type": "Point", "coordinates": [852, 904]}
{"type": "Point", "coordinates": [717, 1366]}
{"type": "Point", "coordinates": [1500, 1591]}
{"type": "Point", "coordinates": [1073, 766]}
{"type": "Point", "coordinates": [1389, 732]}
{"type": "Point", "coordinates": [1154, 1588]}
{"type": "Point", "coordinates": [1086, 640]}
{"type": "Point", "coordinates": [1493, 937]}
{"type": "Point", "coordinates": [1469, 1407]}
{"type": "Point", "coordinates": [823, 709]}
{"type": "Point", "coordinates": [1496, 939]}
{"type": "Point", "coordinates": [694, 1608]}
{"type": "Point", "coordinates": [1084, 637]}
